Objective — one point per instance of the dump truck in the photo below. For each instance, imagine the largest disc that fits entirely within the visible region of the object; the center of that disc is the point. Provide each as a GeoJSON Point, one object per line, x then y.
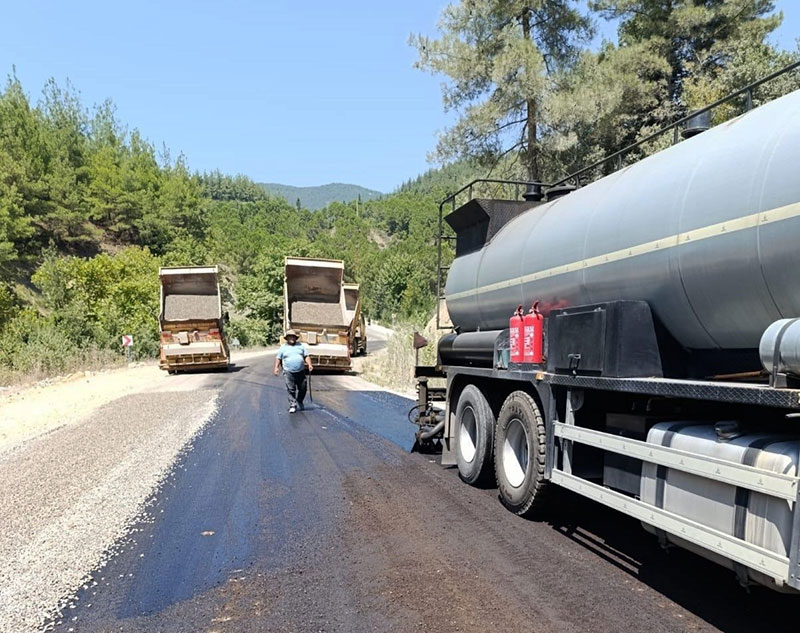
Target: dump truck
{"type": "Point", "coordinates": [636, 341]}
{"type": "Point", "coordinates": [355, 317]}
{"type": "Point", "coordinates": [315, 307]}
{"type": "Point", "coordinates": [191, 319]}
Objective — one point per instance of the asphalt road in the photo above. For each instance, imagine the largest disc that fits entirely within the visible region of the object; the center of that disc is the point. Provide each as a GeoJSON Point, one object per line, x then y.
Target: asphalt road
{"type": "Point", "coordinates": [322, 521]}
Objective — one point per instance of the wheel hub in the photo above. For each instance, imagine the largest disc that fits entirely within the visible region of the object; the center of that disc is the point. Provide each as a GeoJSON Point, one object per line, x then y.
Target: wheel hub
{"type": "Point", "coordinates": [515, 453]}
{"type": "Point", "coordinates": [468, 435]}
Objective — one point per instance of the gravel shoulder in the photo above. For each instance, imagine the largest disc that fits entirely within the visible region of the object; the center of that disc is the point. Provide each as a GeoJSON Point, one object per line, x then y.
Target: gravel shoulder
{"type": "Point", "coordinates": [69, 496]}
{"type": "Point", "coordinates": [79, 458]}
{"type": "Point", "coordinates": [41, 408]}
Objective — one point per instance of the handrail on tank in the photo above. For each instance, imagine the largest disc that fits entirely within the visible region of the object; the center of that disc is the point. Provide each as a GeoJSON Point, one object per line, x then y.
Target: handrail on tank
{"type": "Point", "coordinates": [748, 90]}
{"type": "Point", "coordinates": [499, 181]}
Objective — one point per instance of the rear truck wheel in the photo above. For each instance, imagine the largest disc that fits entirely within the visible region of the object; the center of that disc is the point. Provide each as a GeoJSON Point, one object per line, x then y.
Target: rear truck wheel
{"type": "Point", "coordinates": [519, 457]}
{"type": "Point", "coordinates": [474, 436]}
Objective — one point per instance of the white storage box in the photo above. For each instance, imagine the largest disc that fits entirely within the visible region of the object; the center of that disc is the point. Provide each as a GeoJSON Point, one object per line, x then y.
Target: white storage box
{"type": "Point", "coordinates": [752, 516]}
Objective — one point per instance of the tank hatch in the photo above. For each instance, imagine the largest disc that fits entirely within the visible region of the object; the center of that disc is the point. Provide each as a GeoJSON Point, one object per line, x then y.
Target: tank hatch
{"type": "Point", "coordinates": [479, 220]}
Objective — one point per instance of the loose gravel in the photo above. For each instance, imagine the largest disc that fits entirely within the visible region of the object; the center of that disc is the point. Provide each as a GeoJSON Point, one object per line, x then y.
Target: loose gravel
{"type": "Point", "coordinates": [191, 307]}
{"type": "Point", "coordinates": [68, 496]}
{"type": "Point", "coordinates": [317, 313]}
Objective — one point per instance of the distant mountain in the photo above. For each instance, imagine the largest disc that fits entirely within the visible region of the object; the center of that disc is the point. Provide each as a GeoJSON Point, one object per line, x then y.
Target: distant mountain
{"type": "Point", "coordinates": [444, 180]}
{"type": "Point", "coordinates": [317, 197]}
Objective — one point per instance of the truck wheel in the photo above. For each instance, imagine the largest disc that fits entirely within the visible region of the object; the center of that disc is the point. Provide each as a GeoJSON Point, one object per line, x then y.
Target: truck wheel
{"type": "Point", "coordinates": [519, 458]}
{"type": "Point", "coordinates": [474, 436]}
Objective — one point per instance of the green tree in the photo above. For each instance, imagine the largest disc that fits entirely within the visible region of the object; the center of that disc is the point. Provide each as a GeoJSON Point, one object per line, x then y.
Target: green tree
{"type": "Point", "coordinates": [23, 159]}
{"type": "Point", "coordinates": [502, 58]}
{"type": "Point", "coordinates": [609, 100]}
{"type": "Point", "coordinates": [260, 293]}
{"type": "Point", "coordinates": [700, 40]}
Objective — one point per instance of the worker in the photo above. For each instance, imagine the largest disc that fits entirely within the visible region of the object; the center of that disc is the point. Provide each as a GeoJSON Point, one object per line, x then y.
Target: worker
{"type": "Point", "coordinates": [295, 361]}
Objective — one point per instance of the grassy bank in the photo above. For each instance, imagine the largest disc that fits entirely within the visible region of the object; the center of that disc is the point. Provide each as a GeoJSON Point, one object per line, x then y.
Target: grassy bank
{"type": "Point", "coordinates": [393, 367]}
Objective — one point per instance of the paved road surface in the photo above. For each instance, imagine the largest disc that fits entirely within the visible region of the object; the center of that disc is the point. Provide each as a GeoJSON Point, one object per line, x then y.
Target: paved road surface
{"type": "Point", "coordinates": [321, 521]}
{"type": "Point", "coordinates": [376, 339]}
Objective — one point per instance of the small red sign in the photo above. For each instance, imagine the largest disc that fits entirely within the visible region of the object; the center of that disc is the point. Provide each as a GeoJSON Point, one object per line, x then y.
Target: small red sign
{"type": "Point", "coordinates": [127, 340]}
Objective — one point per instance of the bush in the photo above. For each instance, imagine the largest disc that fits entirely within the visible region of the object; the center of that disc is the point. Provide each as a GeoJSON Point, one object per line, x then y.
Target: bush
{"type": "Point", "coordinates": [251, 332]}
{"type": "Point", "coordinates": [37, 346]}
{"type": "Point", "coordinates": [394, 367]}
{"type": "Point", "coordinates": [90, 304]}
{"type": "Point", "coordinates": [95, 301]}
{"type": "Point", "coordinates": [9, 305]}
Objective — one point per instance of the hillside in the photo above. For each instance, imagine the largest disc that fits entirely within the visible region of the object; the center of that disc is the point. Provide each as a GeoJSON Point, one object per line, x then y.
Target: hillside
{"type": "Point", "coordinates": [314, 198]}
{"type": "Point", "coordinates": [89, 212]}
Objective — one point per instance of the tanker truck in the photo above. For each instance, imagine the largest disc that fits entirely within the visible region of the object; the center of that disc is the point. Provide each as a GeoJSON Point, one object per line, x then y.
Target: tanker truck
{"type": "Point", "coordinates": [637, 341]}
{"type": "Point", "coordinates": [191, 319]}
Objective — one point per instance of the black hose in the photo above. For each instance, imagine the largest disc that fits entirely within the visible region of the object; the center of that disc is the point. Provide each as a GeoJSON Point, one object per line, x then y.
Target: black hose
{"type": "Point", "coordinates": [412, 409]}
{"type": "Point", "coordinates": [426, 435]}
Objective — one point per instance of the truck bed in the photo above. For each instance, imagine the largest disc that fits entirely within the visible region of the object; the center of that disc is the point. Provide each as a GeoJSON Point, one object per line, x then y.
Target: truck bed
{"type": "Point", "coordinates": [317, 313]}
{"type": "Point", "coordinates": [195, 307]}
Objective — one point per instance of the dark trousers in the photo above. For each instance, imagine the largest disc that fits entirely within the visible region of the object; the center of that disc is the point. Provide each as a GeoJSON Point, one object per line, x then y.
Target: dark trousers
{"type": "Point", "coordinates": [296, 385]}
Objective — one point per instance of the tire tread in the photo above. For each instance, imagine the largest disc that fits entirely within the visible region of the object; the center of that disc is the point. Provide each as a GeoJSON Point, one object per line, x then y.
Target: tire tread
{"type": "Point", "coordinates": [538, 499]}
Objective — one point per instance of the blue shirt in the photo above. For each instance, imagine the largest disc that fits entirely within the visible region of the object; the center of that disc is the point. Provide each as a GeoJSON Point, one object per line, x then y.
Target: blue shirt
{"type": "Point", "coordinates": [293, 357]}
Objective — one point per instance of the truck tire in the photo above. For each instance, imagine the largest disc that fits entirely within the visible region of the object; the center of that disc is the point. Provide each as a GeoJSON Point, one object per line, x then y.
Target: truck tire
{"type": "Point", "coordinates": [519, 458]}
{"type": "Point", "coordinates": [474, 436]}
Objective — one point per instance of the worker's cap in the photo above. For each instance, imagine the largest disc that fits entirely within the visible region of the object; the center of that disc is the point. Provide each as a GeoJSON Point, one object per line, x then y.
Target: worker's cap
{"type": "Point", "coordinates": [290, 333]}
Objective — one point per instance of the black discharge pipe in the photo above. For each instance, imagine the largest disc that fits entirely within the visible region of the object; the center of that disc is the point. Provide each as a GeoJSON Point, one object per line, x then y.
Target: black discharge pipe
{"type": "Point", "coordinates": [426, 435]}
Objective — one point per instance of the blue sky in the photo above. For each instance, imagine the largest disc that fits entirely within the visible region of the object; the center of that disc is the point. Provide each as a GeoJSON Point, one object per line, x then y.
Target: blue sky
{"type": "Point", "coordinates": [302, 96]}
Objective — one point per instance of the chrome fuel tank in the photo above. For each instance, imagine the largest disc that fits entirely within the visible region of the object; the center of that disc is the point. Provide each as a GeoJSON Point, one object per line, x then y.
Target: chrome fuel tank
{"type": "Point", "coordinates": [707, 232]}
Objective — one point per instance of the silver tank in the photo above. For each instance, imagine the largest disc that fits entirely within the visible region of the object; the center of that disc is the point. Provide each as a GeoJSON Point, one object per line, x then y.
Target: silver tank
{"type": "Point", "coordinates": [707, 232]}
{"type": "Point", "coordinates": [784, 334]}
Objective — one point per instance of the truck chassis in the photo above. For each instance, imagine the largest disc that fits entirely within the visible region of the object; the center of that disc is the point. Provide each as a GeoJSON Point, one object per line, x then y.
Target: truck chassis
{"type": "Point", "coordinates": [559, 398]}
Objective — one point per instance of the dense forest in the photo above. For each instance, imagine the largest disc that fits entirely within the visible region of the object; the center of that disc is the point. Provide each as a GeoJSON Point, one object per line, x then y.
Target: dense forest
{"type": "Point", "coordinates": [89, 208]}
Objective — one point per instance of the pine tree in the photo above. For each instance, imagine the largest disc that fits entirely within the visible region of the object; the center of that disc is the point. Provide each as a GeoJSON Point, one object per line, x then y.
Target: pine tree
{"type": "Point", "coordinates": [502, 58]}
{"type": "Point", "coordinates": [712, 47]}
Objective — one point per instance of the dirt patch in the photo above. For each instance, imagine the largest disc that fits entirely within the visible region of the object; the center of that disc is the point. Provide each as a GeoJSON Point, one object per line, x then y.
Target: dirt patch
{"type": "Point", "coordinates": [393, 366]}
{"type": "Point", "coordinates": [41, 408]}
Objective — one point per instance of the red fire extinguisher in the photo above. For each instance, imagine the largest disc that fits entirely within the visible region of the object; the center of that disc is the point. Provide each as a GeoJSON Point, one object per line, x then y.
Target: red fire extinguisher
{"type": "Point", "coordinates": [532, 336]}
{"type": "Point", "coordinates": [515, 335]}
